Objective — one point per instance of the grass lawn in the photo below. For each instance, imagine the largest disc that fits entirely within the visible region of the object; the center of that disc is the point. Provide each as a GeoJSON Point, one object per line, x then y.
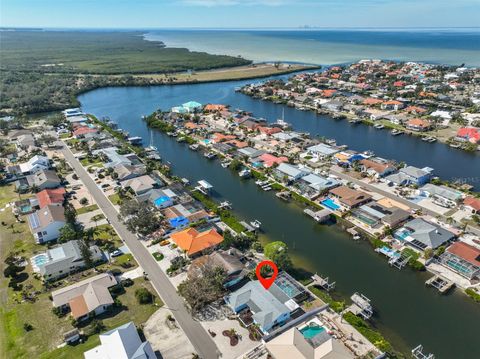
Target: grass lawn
{"type": "Point", "coordinates": [87, 209]}
{"type": "Point", "coordinates": [158, 256]}
{"type": "Point", "coordinates": [115, 198]}
{"type": "Point", "coordinates": [124, 259]}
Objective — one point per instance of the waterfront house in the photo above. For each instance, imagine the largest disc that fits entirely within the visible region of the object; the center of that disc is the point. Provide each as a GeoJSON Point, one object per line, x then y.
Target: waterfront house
{"type": "Point", "coordinates": [289, 172]}
{"type": "Point", "coordinates": [125, 171]}
{"type": "Point", "coordinates": [188, 107]}
{"type": "Point", "coordinates": [411, 175]}
{"type": "Point", "coordinates": [374, 215]}
{"type": "Point", "coordinates": [51, 196]}
{"type": "Point", "coordinates": [88, 296]}
{"type": "Point", "coordinates": [26, 142]}
{"type": "Point", "coordinates": [392, 105]}
{"type": "Point", "coordinates": [322, 150]}
{"type": "Point", "coordinates": [62, 260]}
{"type": "Point", "coordinates": [442, 195]}
{"type": "Point", "coordinates": [350, 198]}
{"type": "Point", "coordinates": [472, 204]}
{"type": "Point", "coordinates": [140, 185]}
{"type": "Point", "coordinates": [267, 160]}
{"type": "Point", "coordinates": [122, 342]}
{"type": "Point", "coordinates": [346, 158]}
{"type": "Point", "coordinates": [44, 179]}
{"type": "Point", "coordinates": [468, 134]}
{"type": "Point", "coordinates": [250, 152]}
{"type": "Point", "coordinates": [113, 158]}
{"type": "Point", "coordinates": [463, 259]}
{"type": "Point", "coordinates": [214, 108]}
{"type": "Point", "coordinates": [374, 114]}
{"type": "Point", "coordinates": [376, 167]}
{"type": "Point", "coordinates": [45, 223]}
{"type": "Point", "coordinates": [333, 106]}
{"type": "Point", "coordinates": [71, 112]}
{"type": "Point", "coordinates": [422, 234]}
{"type": "Point", "coordinates": [194, 243]}
{"type": "Point", "coordinates": [85, 132]}
{"type": "Point", "coordinates": [160, 198]}
{"type": "Point", "coordinates": [182, 214]}
{"type": "Point", "coordinates": [418, 125]}
{"type": "Point", "coordinates": [308, 339]}
{"type": "Point", "coordinates": [232, 260]}
{"type": "Point", "coordinates": [266, 308]}
{"type": "Point", "coordinates": [313, 185]}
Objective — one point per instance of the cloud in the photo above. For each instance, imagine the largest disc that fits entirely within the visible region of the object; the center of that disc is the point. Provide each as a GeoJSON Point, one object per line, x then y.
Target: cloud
{"type": "Point", "coordinates": [212, 3]}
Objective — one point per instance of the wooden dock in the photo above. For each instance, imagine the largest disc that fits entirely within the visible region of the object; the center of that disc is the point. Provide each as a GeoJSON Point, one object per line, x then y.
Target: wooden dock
{"type": "Point", "coordinates": [442, 284]}
{"type": "Point", "coordinates": [323, 282]}
{"type": "Point", "coordinates": [361, 306]}
{"type": "Point", "coordinates": [320, 216]}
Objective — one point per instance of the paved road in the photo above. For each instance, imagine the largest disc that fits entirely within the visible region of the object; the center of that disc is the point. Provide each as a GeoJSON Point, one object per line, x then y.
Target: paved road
{"type": "Point", "coordinates": [197, 335]}
{"type": "Point", "coordinates": [382, 192]}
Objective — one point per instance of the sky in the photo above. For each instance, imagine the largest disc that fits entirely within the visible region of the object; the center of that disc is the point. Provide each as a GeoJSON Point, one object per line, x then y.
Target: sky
{"type": "Point", "coordinates": [238, 13]}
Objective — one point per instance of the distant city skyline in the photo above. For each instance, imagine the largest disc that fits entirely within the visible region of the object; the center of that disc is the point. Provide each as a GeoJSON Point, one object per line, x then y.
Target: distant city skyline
{"type": "Point", "coordinates": [239, 13]}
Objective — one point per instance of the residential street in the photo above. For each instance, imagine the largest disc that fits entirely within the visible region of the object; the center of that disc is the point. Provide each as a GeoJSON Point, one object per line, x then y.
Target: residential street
{"type": "Point", "coordinates": [197, 335]}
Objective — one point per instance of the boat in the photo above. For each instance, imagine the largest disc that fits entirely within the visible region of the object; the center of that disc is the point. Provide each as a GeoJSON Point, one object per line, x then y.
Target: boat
{"type": "Point", "coordinates": [135, 140]}
{"type": "Point", "coordinates": [225, 163]}
{"type": "Point", "coordinates": [151, 147]}
{"type": "Point", "coordinates": [181, 139]}
{"type": "Point", "coordinates": [225, 205]}
{"type": "Point", "coordinates": [369, 153]}
{"type": "Point", "coordinates": [260, 183]}
{"type": "Point", "coordinates": [330, 141]}
{"type": "Point", "coordinates": [355, 121]}
{"type": "Point", "coordinates": [210, 155]}
{"type": "Point", "coordinates": [245, 173]}
{"type": "Point", "coordinates": [256, 224]}
{"type": "Point", "coordinates": [425, 138]}
{"type": "Point", "coordinates": [194, 146]}
{"type": "Point", "coordinates": [396, 132]}
{"type": "Point", "coordinates": [455, 145]}
{"type": "Point", "coordinates": [378, 126]}
{"type": "Point", "coordinates": [432, 139]}
{"type": "Point", "coordinates": [267, 187]}
{"type": "Point", "coordinates": [281, 121]}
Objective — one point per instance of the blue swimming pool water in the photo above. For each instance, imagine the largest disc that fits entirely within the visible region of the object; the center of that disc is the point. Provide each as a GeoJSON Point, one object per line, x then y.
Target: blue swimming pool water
{"type": "Point", "coordinates": [402, 235]}
{"type": "Point", "coordinates": [330, 204]}
{"type": "Point", "coordinates": [311, 331]}
{"type": "Point", "coordinates": [40, 260]}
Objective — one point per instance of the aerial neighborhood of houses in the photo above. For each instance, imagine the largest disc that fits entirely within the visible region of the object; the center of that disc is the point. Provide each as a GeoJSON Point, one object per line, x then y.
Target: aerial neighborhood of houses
{"type": "Point", "coordinates": [68, 177]}
{"type": "Point", "coordinates": [433, 101]}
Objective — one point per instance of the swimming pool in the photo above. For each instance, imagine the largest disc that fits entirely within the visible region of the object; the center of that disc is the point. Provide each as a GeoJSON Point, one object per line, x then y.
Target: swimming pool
{"type": "Point", "coordinates": [402, 234]}
{"type": "Point", "coordinates": [207, 141]}
{"type": "Point", "coordinates": [40, 259]}
{"type": "Point", "coordinates": [329, 203]}
{"type": "Point", "coordinates": [311, 331]}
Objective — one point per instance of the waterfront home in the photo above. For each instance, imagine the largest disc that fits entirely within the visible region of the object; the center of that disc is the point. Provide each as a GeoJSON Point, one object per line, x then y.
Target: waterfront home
{"type": "Point", "coordinates": [445, 115]}
{"type": "Point", "coordinates": [44, 179]}
{"type": "Point", "coordinates": [350, 198]}
{"type": "Point", "coordinates": [392, 105]}
{"type": "Point", "coordinates": [267, 160]}
{"type": "Point", "coordinates": [88, 296]}
{"type": "Point", "coordinates": [468, 134]}
{"type": "Point", "coordinates": [289, 172]}
{"type": "Point", "coordinates": [308, 339]}
{"type": "Point", "coordinates": [250, 152]}
{"type": "Point", "coordinates": [422, 234]}
{"type": "Point", "coordinates": [160, 198]}
{"type": "Point", "coordinates": [45, 223]}
{"type": "Point", "coordinates": [442, 195]}
{"type": "Point", "coordinates": [463, 259]}
{"type": "Point", "coordinates": [26, 142]}
{"type": "Point", "coordinates": [418, 125]}
{"type": "Point", "coordinates": [375, 216]}
{"type": "Point", "coordinates": [122, 342]}
{"type": "Point", "coordinates": [333, 106]}
{"type": "Point", "coordinates": [140, 185]}
{"type": "Point", "coordinates": [51, 196]}
{"type": "Point", "coordinates": [71, 112]}
{"type": "Point", "coordinates": [62, 260]}
{"type": "Point", "coordinates": [312, 185]}
{"type": "Point", "coordinates": [194, 243]}
{"type": "Point", "coordinates": [266, 308]}
{"type": "Point", "coordinates": [178, 213]}
{"type": "Point", "coordinates": [411, 175]}
{"type": "Point", "coordinates": [125, 171]}
{"type": "Point", "coordinates": [374, 114]}
{"type": "Point", "coordinates": [322, 150]}
{"type": "Point", "coordinates": [113, 158]}
{"type": "Point", "coordinates": [214, 108]}
{"type": "Point", "coordinates": [376, 167]}
{"type": "Point", "coordinates": [346, 158]}
{"type": "Point", "coordinates": [232, 260]}
{"type": "Point", "coordinates": [416, 110]}
{"type": "Point", "coordinates": [472, 204]}
{"type": "Point", "coordinates": [85, 132]}
{"type": "Point", "coordinates": [269, 130]}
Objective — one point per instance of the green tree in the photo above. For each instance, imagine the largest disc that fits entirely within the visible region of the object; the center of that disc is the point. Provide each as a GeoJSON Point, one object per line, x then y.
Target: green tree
{"type": "Point", "coordinates": [144, 296]}
{"type": "Point", "coordinates": [277, 252]}
{"type": "Point", "coordinates": [70, 232]}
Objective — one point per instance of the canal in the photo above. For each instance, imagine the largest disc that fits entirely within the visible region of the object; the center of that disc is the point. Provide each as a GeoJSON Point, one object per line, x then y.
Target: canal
{"type": "Point", "coordinates": [407, 312]}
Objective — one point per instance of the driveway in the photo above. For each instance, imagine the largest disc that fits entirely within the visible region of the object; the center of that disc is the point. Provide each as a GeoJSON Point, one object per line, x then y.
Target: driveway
{"type": "Point", "coordinates": [200, 339]}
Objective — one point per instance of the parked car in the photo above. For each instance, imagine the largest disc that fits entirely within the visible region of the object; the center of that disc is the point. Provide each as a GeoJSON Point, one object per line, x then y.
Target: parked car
{"type": "Point", "coordinates": [116, 253]}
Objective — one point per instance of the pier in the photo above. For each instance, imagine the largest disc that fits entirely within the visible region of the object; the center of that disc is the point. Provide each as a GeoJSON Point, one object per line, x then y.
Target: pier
{"type": "Point", "coordinates": [204, 187]}
{"type": "Point", "coordinates": [320, 216]}
{"type": "Point", "coordinates": [361, 306]}
{"type": "Point", "coordinates": [417, 353]}
{"type": "Point", "coordinates": [323, 282]}
{"type": "Point", "coordinates": [395, 259]}
{"type": "Point", "coordinates": [442, 284]}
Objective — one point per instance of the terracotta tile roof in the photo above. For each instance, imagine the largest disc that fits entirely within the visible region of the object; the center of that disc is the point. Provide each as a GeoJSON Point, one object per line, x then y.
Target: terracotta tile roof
{"type": "Point", "coordinates": [372, 101]}
{"type": "Point", "coordinates": [50, 196]}
{"type": "Point", "coordinates": [418, 122]}
{"type": "Point", "coordinates": [465, 251]}
{"type": "Point", "coordinates": [84, 130]}
{"type": "Point", "coordinates": [415, 109]}
{"type": "Point", "coordinates": [376, 166]}
{"type": "Point", "coordinates": [220, 137]}
{"type": "Point", "coordinates": [349, 196]}
{"type": "Point", "coordinates": [78, 307]}
{"type": "Point", "coordinates": [214, 108]}
{"type": "Point", "coordinates": [269, 130]}
{"type": "Point", "coordinates": [472, 202]}
{"type": "Point", "coordinates": [471, 134]}
{"type": "Point", "coordinates": [192, 241]}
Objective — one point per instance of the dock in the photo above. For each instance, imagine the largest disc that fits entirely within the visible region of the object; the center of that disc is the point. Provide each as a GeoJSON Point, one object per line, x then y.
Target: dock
{"type": "Point", "coordinates": [284, 195]}
{"type": "Point", "coordinates": [320, 216]}
{"type": "Point", "coordinates": [225, 205]}
{"type": "Point", "coordinates": [361, 306]}
{"type": "Point", "coordinates": [442, 284]}
{"type": "Point", "coordinates": [395, 259]}
{"type": "Point", "coordinates": [135, 140]}
{"type": "Point", "coordinates": [417, 353]}
{"type": "Point", "coordinates": [204, 187]}
{"type": "Point", "coordinates": [323, 282]}
{"type": "Point", "coordinates": [248, 227]}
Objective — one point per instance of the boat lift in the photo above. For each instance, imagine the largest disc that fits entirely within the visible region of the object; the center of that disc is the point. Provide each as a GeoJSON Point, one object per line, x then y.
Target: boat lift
{"type": "Point", "coordinates": [204, 187]}
{"type": "Point", "coordinates": [399, 262]}
{"type": "Point", "coordinates": [323, 282]}
{"type": "Point", "coordinates": [417, 353]}
{"type": "Point", "coordinates": [361, 306]}
{"type": "Point", "coordinates": [225, 205]}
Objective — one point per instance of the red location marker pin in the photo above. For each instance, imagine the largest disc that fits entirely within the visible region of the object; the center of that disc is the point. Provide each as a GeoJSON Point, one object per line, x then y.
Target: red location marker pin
{"type": "Point", "coordinates": [266, 282]}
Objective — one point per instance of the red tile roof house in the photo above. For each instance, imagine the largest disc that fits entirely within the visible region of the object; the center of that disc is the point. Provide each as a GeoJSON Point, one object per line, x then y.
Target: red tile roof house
{"type": "Point", "coordinates": [418, 125]}
{"type": "Point", "coordinates": [269, 160]}
{"type": "Point", "coordinates": [470, 134]}
{"type": "Point", "coordinates": [372, 101]}
{"type": "Point", "coordinates": [416, 110]}
{"type": "Point", "coordinates": [350, 198]}
{"type": "Point", "coordinates": [392, 105]}
{"type": "Point", "coordinates": [51, 196]}
{"type": "Point", "coordinates": [82, 131]}
{"type": "Point", "coordinates": [269, 130]}
{"type": "Point", "coordinates": [220, 137]}
{"type": "Point", "coordinates": [472, 204]}
{"type": "Point", "coordinates": [376, 169]}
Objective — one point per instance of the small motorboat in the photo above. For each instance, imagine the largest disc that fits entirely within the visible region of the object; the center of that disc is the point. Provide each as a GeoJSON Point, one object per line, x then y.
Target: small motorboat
{"type": "Point", "coordinates": [378, 126]}
{"type": "Point", "coordinates": [210, 155]}
{"type": "Point", "coordinates": [245, 173]}
{"type": "Point", "coordinates": [194, 146]}
{"type": "Point", "coordinates": [256, 224]}
{"type": "Point", "coordinates": [225, 163]}
{"type": "Point", "coordinates": [396, 132]}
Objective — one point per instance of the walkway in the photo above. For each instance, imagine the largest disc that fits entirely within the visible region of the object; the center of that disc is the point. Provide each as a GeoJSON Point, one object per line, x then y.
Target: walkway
{"type": "Point", "coordinates": [200, 339]}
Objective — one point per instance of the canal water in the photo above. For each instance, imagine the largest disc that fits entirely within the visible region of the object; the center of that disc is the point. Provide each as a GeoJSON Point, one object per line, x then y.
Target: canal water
{"type": "Point", "coordinates": [406, 311]}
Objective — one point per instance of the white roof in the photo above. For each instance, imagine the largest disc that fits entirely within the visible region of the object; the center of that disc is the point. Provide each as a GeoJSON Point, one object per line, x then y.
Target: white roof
{"type": "Point", "coordinates": [121, 343]}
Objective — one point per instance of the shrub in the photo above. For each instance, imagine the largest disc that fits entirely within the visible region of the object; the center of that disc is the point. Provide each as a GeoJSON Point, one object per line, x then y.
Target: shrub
{"type": "Point", "coordinates": [127, 282]}
{"type": "Point", "coordinates": [84, 201]}
{"type": "Point", "coordinates": [143, 296]}
{"type": "Point", "coordinates": [27, 327]}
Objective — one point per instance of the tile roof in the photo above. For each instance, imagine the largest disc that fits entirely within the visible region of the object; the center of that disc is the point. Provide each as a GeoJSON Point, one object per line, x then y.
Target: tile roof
{"type": "Point", "coordinates": [466, 252]}
{"type": "Point", "coordinates": [192, 241]}
{"type": "Point", "coordinates": [50, 196]}
{"type": "Point", "coordinates": [472, 202]}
